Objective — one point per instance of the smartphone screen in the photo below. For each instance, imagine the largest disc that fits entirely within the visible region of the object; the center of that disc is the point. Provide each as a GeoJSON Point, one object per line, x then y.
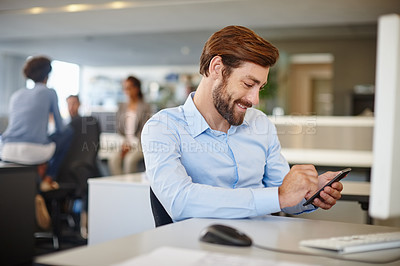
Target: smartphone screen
{"type": "Point", "coordinates": [337, 178]}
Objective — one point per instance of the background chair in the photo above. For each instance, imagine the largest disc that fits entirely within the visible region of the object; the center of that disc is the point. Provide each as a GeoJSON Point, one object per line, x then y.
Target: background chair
{"type": "Point", "coordinates": [54, 200]}
{"type": "Point", "coordinates": [81, 161]}
{"type": "Point", "coordinates": [161, 217]}
{"type": "Point", "coordinates": [79, 164]}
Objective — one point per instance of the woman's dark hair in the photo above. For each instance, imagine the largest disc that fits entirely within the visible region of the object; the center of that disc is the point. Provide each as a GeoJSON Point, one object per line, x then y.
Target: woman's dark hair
{"type": "Point", "coordinates": [37, 68]}
{"type": "Point", "coordinates": [136, 82]}
{"type": "Point", "coordinates": [236, 45]}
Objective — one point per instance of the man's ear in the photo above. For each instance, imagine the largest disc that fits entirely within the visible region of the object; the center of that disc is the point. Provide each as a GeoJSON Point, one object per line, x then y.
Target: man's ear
{"type": "Point", "coordinates": [216, 67]}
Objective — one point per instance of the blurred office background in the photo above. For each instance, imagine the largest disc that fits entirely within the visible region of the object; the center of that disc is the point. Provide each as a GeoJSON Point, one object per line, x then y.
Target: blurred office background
{"type": "Point", "coordinates": [320, 93]}
{"type": "Point", "coordinates": [327, 63]}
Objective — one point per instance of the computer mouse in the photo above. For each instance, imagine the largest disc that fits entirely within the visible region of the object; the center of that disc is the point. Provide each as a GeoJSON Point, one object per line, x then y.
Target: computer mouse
{"type": "Point", "coordinates": [225, 235]}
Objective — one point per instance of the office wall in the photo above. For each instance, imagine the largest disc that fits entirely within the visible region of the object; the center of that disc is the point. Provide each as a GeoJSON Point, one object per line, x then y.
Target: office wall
{"type": "Point", "coordinates": [354, 63]}
{"type": "Point", "coordinates": [11, 78]}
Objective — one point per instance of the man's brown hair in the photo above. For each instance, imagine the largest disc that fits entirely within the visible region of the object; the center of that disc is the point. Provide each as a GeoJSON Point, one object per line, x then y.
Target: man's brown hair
{"type": "Point", "coordinates": [236, 45]}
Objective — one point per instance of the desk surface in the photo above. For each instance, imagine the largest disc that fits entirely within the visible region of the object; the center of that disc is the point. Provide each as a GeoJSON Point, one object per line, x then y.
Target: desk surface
{"type": "Point", "coordinates": [7, 165]}
{"type": "Point", "coordinates": [338, 158]}
{"type": "Point", "coordinates": [271, 231]}
{"type": "Point", "coordinates": [356, 188]}
{"type": "Point", "coordinates": [134, 179]}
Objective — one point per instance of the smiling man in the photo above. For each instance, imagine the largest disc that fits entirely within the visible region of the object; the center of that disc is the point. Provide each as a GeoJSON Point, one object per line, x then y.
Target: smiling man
{"type": "Point", "coordinates": [217, 157]}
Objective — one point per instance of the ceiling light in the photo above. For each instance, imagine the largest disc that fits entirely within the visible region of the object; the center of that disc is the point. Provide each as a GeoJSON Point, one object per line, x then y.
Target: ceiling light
{"type": "Point", "coordinates": [76, 8]}
{"type": "Point", "coordinates": [119, 5]}
{"type": "Point", "coordinates": [36, 10]}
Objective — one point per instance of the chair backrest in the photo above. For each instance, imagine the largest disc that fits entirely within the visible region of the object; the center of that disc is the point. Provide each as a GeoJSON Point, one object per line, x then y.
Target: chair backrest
{"type": "Point", "coordinates": [161, 217]}
{"type": "Point", "coordinates": [86, 142]}
{"type": "Point", "coordinates": [81, 160]}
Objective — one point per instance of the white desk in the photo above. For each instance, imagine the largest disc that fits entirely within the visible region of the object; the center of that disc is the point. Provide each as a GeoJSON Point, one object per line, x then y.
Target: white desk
{"type": "Point", "coordinates": [327, 157]}
{"type": "Point", "coordinates": [356, 191]}
{"type": "Point", "coordinates": [353, 188]}
{"type": "Point", "coordinates": [118, 206]}
{"type": "Point", "coordinates": [271, 231]}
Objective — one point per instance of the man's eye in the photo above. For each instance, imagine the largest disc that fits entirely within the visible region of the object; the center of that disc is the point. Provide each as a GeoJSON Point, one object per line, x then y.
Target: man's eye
{"type": "Point", "coordinates": [248, 85]}
{"type": "Point", "coordinates": [264, 87]}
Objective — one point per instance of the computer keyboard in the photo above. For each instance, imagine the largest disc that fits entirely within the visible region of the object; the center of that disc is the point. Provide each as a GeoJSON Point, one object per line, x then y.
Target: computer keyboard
{"type": "Point", "coordinates": [355, 243]}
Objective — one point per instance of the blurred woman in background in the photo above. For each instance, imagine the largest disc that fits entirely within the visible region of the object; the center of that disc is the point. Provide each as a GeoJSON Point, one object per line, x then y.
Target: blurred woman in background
{"type": "Point", "coordinates": [131, 117]}
{"type": "Point", "coordinates": [26, 140]}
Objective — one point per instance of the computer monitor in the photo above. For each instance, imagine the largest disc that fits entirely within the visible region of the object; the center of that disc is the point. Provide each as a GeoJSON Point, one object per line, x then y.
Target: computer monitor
{"type": "Point", "coordinates": [385, 178]}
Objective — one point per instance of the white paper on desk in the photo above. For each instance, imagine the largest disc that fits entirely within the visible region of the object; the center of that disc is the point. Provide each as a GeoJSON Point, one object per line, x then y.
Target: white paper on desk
{"type": "Point", "coordinates": [172, 256]}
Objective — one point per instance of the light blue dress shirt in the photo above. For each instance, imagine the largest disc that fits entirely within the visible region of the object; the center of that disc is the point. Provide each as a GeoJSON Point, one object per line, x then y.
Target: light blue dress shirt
{"type": "Point", "coordinates": [196, 171]}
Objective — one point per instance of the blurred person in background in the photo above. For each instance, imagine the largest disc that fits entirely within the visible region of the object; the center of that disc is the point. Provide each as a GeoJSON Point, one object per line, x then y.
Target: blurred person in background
{"type": "Point", "coordinates": [26, 139]}
{"type": "Point", "coordinates": [73, 104]}
{"type": "Point", "coordinates": [131, 117]}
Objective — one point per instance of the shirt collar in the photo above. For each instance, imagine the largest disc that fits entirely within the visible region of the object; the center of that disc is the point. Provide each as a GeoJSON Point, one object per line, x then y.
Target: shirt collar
{"type": "Point", "coordinates": [196, 122]}
{"type": "Point", "coordinates": [40, 85]}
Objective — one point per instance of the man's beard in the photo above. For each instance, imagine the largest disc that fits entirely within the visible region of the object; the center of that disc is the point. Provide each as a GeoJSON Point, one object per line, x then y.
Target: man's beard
{"type": "Point", "coordinates": [225, 106]}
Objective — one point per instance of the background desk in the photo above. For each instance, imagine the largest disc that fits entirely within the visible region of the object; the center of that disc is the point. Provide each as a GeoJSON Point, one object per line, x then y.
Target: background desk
{"type": "Point", "coordinates": [356, 191]}
{"type": "Point", "coordinates": [329, 157]}
{"type": "Point", "coordinates": [17, 210]}
{"type": "Point", "coordinates": [272, 231]}
{"type": "Point", "coordinates": [118, 206]}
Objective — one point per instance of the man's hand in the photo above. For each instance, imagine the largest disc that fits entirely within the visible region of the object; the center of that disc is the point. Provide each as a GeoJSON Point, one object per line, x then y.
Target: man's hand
{"type": "Point", "coordinates": [329, 195]}
{"type": "Point", "coordinates": [299, 183]}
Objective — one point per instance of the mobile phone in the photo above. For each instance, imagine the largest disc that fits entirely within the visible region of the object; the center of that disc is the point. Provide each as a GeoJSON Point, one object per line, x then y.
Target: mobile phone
{"type": "Point", "coordinates": [337, 178]}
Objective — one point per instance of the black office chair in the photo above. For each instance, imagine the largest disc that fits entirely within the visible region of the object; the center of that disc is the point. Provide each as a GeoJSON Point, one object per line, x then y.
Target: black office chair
{"type": "Point", "coordinates": [54, 200]}
{"type": "Point", "coordinates": [79, 164]}
{"type": "Point", "coordinates": [161, 217]}
{"type": "Point", "coordinates": [81, 161]}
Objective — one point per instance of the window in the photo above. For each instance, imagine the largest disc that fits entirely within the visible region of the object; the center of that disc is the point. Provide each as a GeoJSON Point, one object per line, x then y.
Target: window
{"type": "Point", "coordinates": [64, 79]}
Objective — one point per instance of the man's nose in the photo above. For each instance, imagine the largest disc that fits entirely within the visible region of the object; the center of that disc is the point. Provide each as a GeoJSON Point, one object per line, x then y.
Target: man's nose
{"type": "Point", "coordinates": [253, 96]}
